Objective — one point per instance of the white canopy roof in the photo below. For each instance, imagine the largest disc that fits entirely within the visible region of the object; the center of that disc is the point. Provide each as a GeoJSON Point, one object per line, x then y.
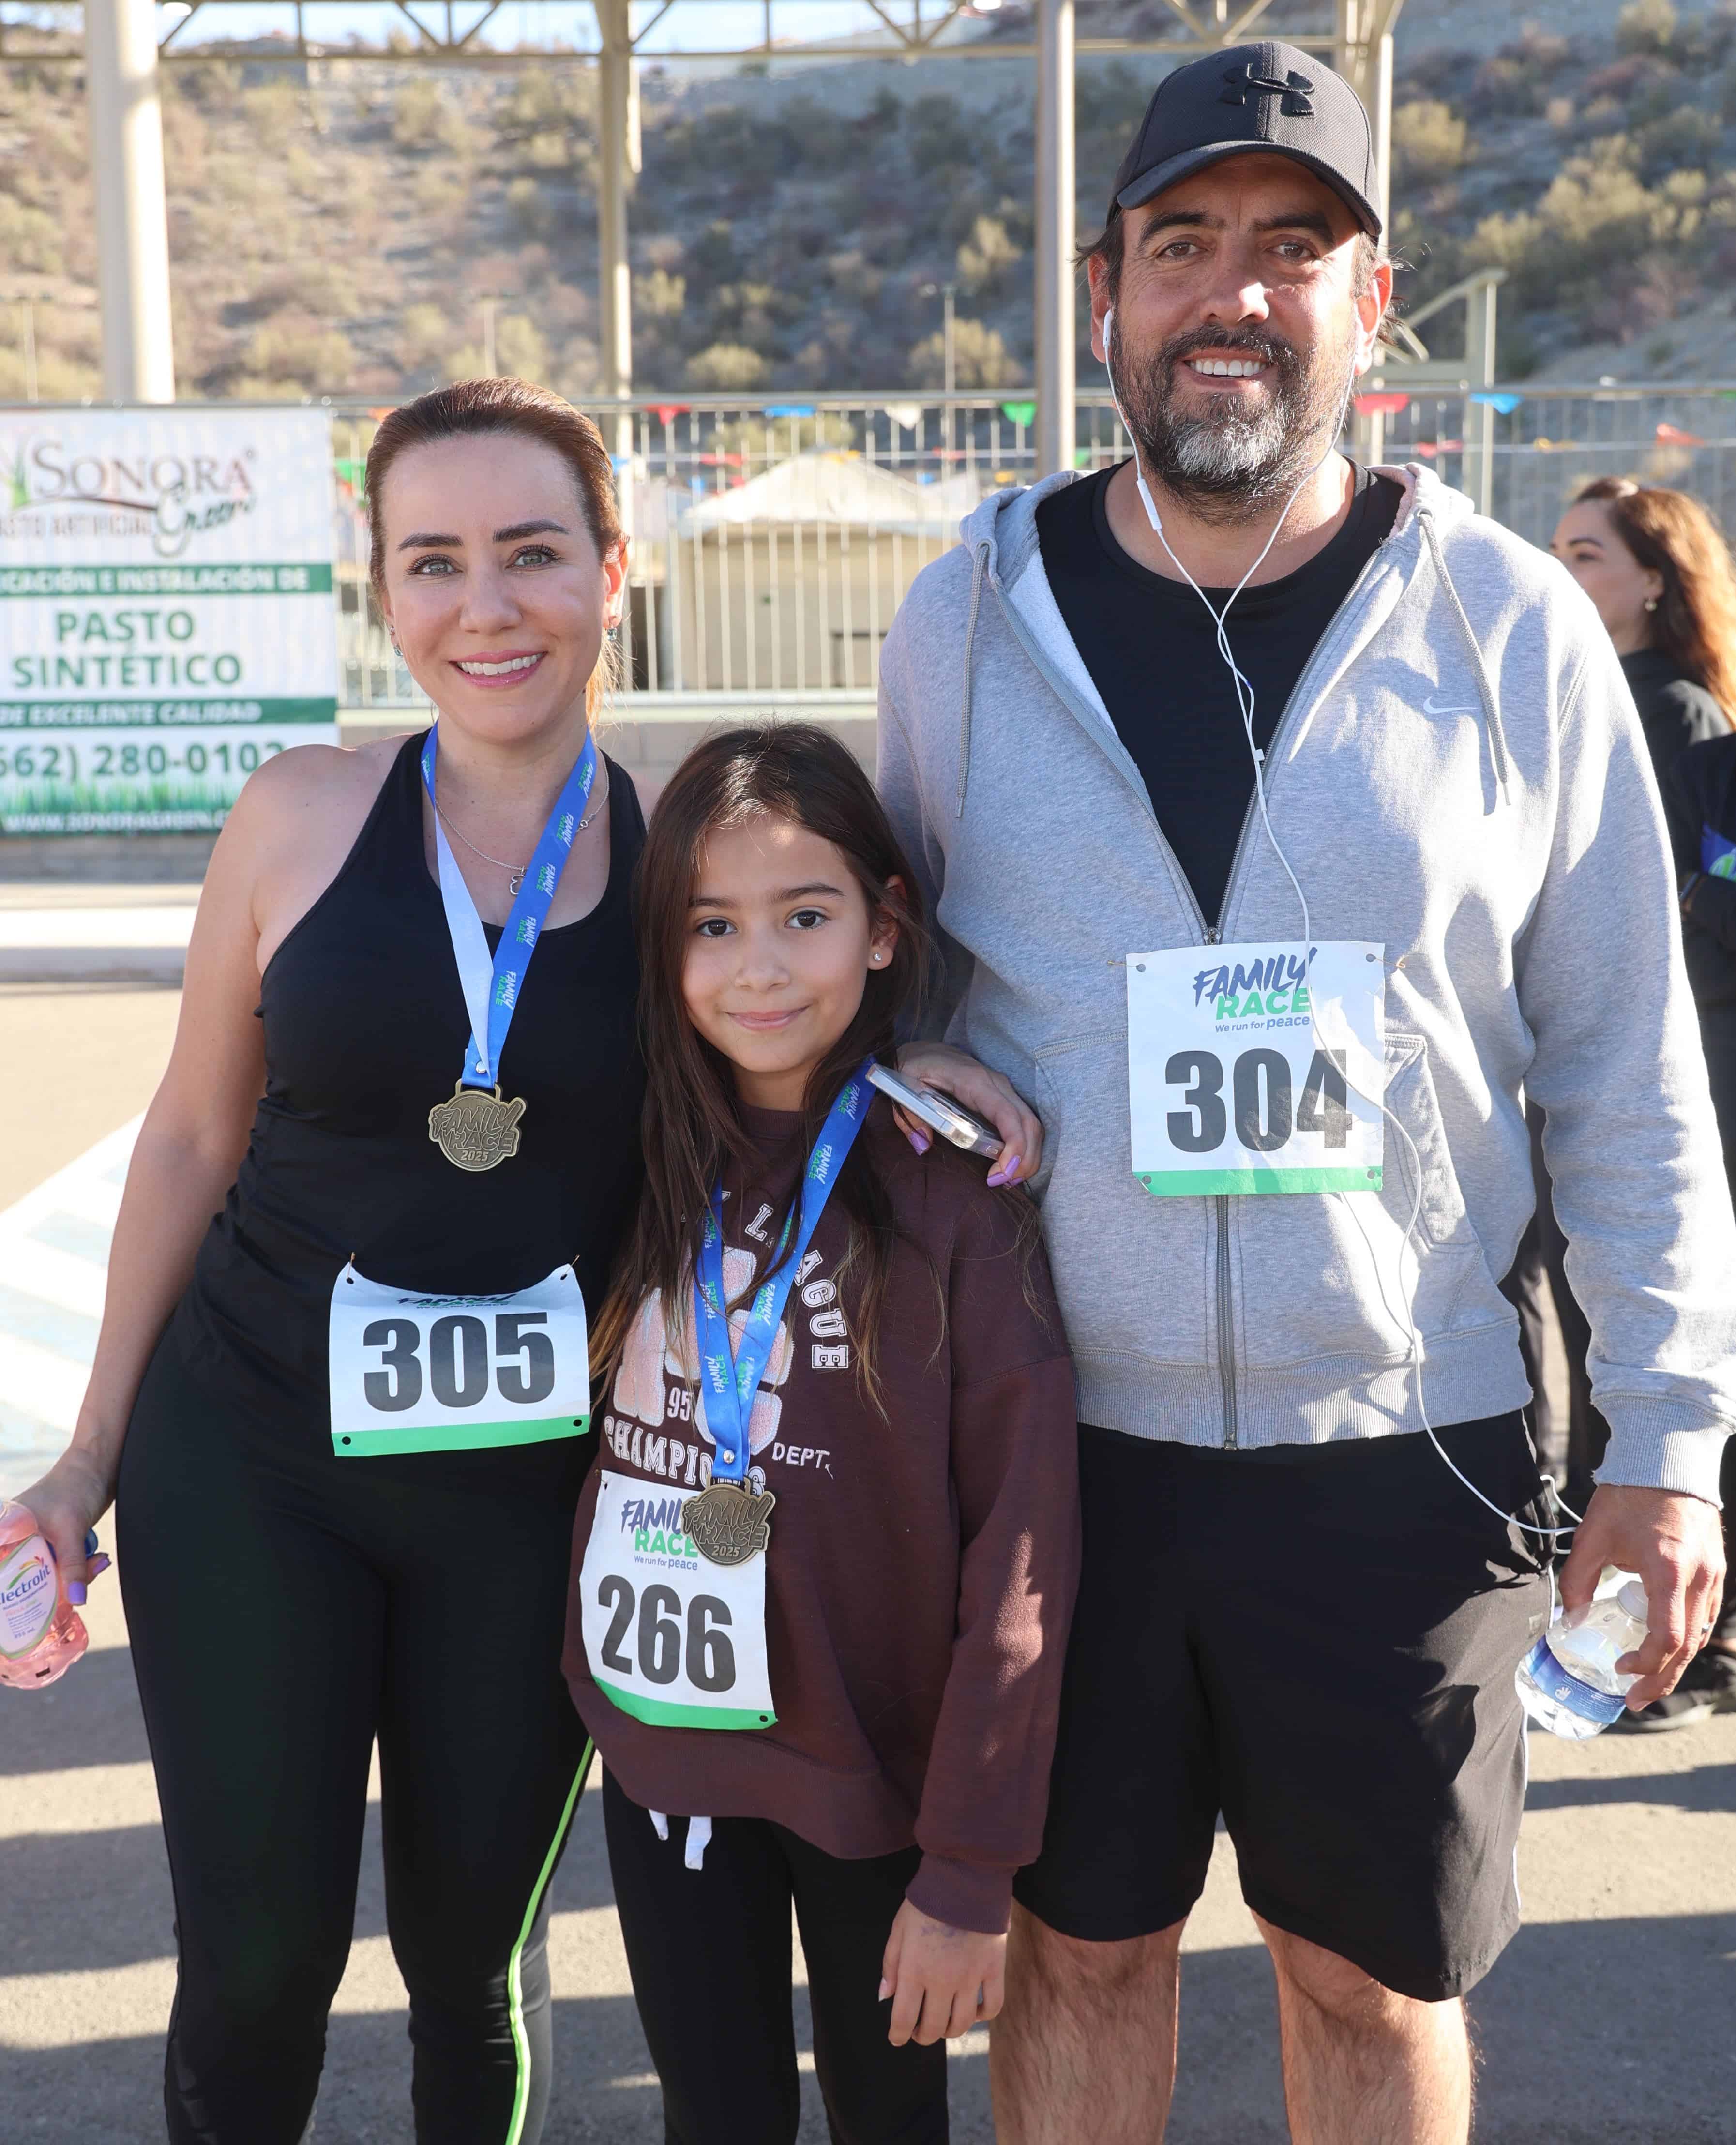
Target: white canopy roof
{"type": "Point", "coordinates": [842, 490]}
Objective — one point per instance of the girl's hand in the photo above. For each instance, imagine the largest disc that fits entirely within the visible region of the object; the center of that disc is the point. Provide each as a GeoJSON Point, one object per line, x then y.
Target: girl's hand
{"type": "Point", "coordinates": [66, 1505]}
{"type": "Point", "coordinates": [941, 1980]}
{"type": "Point", "coordinates": [987, 1095]}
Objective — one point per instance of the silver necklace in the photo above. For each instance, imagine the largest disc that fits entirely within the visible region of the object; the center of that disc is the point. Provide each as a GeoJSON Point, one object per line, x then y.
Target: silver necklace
{"type": "Point", "coordinates": [515, 872]}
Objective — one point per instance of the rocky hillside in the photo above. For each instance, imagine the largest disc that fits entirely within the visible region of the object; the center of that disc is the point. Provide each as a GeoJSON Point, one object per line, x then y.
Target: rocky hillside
{"type": "Point", "coordinates": [339, 235]}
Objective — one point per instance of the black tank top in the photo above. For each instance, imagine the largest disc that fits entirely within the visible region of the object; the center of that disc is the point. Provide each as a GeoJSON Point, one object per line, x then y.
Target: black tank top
{"type": "Point", "coordinates": [365, 1032]}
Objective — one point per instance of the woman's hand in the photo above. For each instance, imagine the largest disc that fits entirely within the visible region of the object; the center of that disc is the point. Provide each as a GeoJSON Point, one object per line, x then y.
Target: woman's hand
{"type": "Point", "coordinates": [941, 1980]}
{"type": "Point", "coordinates": [987, 1095]}
{"type": "Point", "coordinates": [66, 1505]}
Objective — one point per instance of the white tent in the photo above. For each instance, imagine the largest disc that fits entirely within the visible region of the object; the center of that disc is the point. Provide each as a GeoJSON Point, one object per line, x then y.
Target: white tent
{"type": "Point", "coordinates": [840, 490]}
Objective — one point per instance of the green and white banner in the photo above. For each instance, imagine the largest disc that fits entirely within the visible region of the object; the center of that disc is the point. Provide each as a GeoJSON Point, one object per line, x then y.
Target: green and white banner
{"type": "Point", "coordinates": [167, 619]}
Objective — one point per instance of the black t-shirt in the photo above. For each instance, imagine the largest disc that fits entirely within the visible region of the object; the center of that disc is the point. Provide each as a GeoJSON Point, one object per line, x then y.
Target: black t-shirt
{"type": "Point", "coordinates": [1152, 654]}
{"type": "Point", "coordinates": [364, 1028]}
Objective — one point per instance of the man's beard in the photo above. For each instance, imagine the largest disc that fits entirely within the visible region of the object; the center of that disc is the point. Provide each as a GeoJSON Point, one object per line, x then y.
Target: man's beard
{"type": "Point", "coordinates": [1228, 457]}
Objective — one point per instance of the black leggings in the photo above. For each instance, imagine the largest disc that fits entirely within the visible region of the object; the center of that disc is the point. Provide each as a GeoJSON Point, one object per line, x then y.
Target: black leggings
{"type": "Point", "coordinates": [710, 1954]}
{"type": "Point", "coordinates": [286, 1608]}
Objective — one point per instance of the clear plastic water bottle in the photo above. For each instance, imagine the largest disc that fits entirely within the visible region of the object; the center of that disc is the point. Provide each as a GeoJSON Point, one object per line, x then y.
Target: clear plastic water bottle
{"type": "Point", "coordinates": [1568, 1682]}
{"type": "Point", "coordinates": [40, 1633]}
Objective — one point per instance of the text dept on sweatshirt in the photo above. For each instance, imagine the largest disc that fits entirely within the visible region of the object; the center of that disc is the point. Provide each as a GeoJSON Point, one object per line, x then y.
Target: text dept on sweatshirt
{"type": "Point", "coordinates": [1460, 775]}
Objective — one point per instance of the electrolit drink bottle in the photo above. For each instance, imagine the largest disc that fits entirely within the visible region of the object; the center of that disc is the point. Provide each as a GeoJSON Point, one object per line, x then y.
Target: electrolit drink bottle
{"type": "Point", "coordinates": [40, 1633]}
{"type": "Point", "coordinates": [1568, 1682]}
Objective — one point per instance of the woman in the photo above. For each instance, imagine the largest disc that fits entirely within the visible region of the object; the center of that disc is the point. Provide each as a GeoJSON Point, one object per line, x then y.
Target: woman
{"type": "Point", "coordinates": [1653, 562]}
{"type": "Point", "coordinates": [1655, 566]}
{"type": "Point", "coordinates": [344, 1415]}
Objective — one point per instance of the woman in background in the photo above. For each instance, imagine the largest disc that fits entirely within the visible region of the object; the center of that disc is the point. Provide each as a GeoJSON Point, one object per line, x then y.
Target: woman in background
{"type": "Point", "coordinates": [1654, 563]}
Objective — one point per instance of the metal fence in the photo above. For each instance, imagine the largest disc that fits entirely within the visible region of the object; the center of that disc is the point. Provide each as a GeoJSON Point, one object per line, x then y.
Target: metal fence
{"type": "Point", "coordinates": [773, 541]}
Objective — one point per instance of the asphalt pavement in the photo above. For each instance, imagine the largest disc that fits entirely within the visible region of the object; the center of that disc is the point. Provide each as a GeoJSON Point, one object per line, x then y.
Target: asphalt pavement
{"type": "Point", "coordinates": [1608, 2022]}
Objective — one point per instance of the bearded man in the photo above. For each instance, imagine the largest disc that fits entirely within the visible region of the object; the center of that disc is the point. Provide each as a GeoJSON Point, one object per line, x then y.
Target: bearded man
{"type": "Point", "coordinates": [1286, 823]}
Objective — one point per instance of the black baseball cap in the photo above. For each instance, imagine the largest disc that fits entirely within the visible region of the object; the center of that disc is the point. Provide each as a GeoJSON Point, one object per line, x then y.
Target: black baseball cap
{"type": "Point", "coordinates": [1263, 97]}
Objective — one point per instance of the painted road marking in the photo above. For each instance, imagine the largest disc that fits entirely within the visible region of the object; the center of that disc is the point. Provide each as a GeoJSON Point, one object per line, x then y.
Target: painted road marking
{"type": "Point", "coordinates": [42, 929]}
{"type": "Point", "coordinates": [53, 1270]}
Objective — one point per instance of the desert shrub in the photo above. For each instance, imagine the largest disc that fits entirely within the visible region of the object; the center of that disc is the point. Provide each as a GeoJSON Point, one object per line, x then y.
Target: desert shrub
{"type": "Point", "coordinates": [1504, 85]}
{"type": "Point", "coordinates": [1110, 101]}
{"type": "Point", "coordinates": [980, 358]}
{"type": "Point", "coordinates": [425, 335]}
{"type": "Point", "coordinates": [29, 238]}
{"type": "Point", "coordinates": [547, 98]}
{"type": "Point", "coordinates": [318, 285]}
{"type": "Point", "coordinates": [424, 118]}
{"type": "Point", "coordinates": [520, 350]}
{"type": "Point", "coordinates": [1646, 26]}
{"type": "Point", "coordinates": [1597, 220]}
{"type": "Point", "coordinates": [1428, 139]}
{"type": "Point", "coordinates": [986, 255]}
{"type": "Point", "coordinates": [727, 368]}
{"type": "Point", "coordinates": [658, 295]}
{"type": "Point", "coordinates": [938, 134]}
{"type": "Point", "coordinates": [1684, 140]}
{"type": "Point", "coordinates": [272, 113]}
{"type": "Point", "coordinates": [531, 210]}
{"type": "Point", "coordinates": [713, 253]}
{"type": "Point", "coordinates": [59, 377]}
{"type": "Point", "coordinates": [322, 358]}
{"type": "Point", "coordinates": [442, 185]}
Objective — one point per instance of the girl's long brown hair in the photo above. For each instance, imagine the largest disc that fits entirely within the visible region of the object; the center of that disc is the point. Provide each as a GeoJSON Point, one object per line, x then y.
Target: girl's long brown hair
{"type": "Point", "coordinates": [693, 1124]}
{"type": "Point", "coordinates": [1671, 535]}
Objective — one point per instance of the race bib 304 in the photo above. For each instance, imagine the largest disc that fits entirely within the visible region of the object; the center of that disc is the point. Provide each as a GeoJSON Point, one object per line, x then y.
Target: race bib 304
{"type": "Point", "coordinates": [1257, 1068]}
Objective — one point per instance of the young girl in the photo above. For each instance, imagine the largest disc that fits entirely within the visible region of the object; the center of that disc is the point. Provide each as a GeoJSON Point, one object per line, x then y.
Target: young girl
{"type": "Point", "coordinates": [823, 1569]}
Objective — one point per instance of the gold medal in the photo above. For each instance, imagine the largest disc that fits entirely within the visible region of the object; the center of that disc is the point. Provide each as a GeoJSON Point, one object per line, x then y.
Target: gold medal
{"type": "Point", "coordinates": [475, 1130]}
{"type": "Point", "coordinates": [728, 1523]}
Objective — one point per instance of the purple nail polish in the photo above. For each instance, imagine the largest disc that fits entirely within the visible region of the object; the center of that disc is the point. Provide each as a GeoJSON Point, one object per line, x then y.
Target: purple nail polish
{"type": "Point", "coordinates": [97, 1565]}
{"type": "Point", "coordinates": [75, 1592]}
{"type": "Point", "coordinates": [921, 1142]}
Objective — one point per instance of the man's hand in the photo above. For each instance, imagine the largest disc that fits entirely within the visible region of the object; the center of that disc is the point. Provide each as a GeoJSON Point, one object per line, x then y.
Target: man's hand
{"type": "Point", "coordinates": [941, 1980]}
{"type": "Point", "coordinates": [986, 1095]}
{"type": "Point", "coordinates": [1675, 1544]}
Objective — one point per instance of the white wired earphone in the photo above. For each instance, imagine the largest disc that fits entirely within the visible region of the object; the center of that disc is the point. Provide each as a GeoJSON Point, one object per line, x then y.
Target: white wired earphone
{"type": "Point", "coordinates": [1244, 702]}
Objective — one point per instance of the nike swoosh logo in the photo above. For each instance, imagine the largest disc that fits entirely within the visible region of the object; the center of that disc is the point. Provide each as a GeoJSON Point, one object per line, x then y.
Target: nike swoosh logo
{"type": "Point", "coordinates": [1448, 707]}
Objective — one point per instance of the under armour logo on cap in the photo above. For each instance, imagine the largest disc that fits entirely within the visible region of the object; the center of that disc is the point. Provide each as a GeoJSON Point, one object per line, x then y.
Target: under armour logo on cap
{"type": "Point", "coordinates": [1246, 81]}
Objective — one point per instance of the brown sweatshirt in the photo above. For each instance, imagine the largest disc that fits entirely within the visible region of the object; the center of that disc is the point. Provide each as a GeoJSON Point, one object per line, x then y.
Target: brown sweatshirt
{"type": "Point", "coordinates": [920, 1580]}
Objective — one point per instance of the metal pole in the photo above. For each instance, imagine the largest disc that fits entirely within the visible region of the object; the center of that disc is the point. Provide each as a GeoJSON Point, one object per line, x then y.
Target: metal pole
{"type": "Point", "coordinates": [949, 292]}
{"type": "Point", "coordinates": [132, 228]}
{"type": "Point", "coordinates": [614, 68]}
{"type": "Point", "coordinates": [1480, 348]}
{"type": "Point", "coordinates": [1380, 111]}
{"type": "Point", "coordinates": [1055, 193]}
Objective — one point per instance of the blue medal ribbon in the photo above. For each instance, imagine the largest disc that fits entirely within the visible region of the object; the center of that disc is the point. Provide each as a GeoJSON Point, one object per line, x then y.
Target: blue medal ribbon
{"type": "Point", "coordinates": [491, 986]}
{"type": "Point", "coordinates": [1718, 856]}
{"type": "Point", "coordinates": [730, 1378]}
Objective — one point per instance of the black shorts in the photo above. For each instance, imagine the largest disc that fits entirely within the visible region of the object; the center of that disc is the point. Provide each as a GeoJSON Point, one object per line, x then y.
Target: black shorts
{"type": "Point", "coordinates": [1318, 1642]}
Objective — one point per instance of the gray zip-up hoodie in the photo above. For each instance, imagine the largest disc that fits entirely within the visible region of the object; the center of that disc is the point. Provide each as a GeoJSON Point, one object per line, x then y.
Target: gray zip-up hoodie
{"type": "Point", "coordinates": [1460, 773]}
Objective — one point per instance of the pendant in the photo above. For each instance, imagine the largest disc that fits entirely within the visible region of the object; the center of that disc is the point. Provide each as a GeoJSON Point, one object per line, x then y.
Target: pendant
{"type": "Point", "coordinates": [516, 881]}
{"type": "Point", "coordinates": [475, 1130]}
{"type": "Point", "coordinates": [728, 1524]}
